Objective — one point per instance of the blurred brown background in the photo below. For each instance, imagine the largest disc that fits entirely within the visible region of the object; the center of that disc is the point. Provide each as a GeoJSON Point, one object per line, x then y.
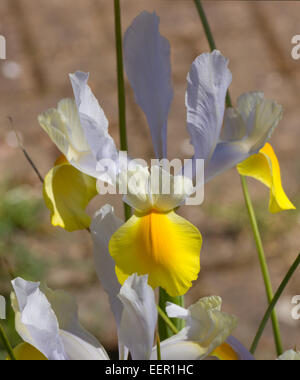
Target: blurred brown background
{"type": "Point", "coordinates": [46, 40]}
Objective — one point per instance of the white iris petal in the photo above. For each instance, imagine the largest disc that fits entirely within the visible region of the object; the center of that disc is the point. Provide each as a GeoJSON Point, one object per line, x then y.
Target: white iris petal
{"type": "Point", "coordinates": [207, 327]}
{"type": "Point", "coordinates": [147, 64]}
{"type": "Point", "coordinates": [57, 338]}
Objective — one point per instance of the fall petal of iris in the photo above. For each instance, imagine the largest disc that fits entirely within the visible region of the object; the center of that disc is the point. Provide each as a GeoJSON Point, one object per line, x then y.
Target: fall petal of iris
{"type": "Point", "coordinates": [225, 352]}
{"type": "Point", "coordinates": [232, 349]}
{"type": "Point", "coordinates": [67, 192]}
{"type": "Point", "coordinates": [163, 245]}
{"type": "Point", "coordinates": [25, 351]}
{"type": "Point", "coordinates": [264, 167]}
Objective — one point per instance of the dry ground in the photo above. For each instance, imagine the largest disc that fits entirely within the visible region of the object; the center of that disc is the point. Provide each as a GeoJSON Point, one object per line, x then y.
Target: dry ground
{"type": "Point", "coordinates": [46, 40]}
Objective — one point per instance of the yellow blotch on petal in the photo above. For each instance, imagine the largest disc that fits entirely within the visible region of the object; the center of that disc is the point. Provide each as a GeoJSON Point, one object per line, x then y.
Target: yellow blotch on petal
{"type": "Point", "coordinates": [25, 351]}
{"type": "Point", "coordinates": [225, 352]}
{"type": "Point", "coordinates": [163, 245]}
{"type": "Point", "coordinates": [67, 192]}
{"type": "Point", "coordinates": [264, 167]}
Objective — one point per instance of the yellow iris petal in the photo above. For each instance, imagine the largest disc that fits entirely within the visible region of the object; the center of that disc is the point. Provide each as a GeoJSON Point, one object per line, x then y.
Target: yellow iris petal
{"type": "Point", "coordinates": [67, 192]}
{"type": "Point", "coordinates": [25, 351]}
{"type": "Point", "coordinates": [163, 245]}
{"type": "Point", "coordinates": [225, 352]}
{"type": "Point", "coordinates": [264, 167]}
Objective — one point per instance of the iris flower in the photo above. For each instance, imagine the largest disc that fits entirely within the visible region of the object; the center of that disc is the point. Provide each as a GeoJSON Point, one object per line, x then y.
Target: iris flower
{"type": "Point", "coordinates": [47, 320]}
{"type": "Point", "coordinates": [155, 240]}
{"type": "Point", "coordinates": [290, 355]}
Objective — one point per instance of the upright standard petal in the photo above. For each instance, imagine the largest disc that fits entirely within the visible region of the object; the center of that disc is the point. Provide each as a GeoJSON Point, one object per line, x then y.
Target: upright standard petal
{"type": "Point", "coordinates": [264, 167]}
{"type": "Point", "coordinates": [207, 327]}
{"type": "Point", "coordinates": [95, 128]}
{"type": "Point", "coordinates": [139, 317]}
{"type": "Point", "coordinates": [147, 64]}
{"type": "Point", "coordinates": [246, 130]}
{"type": "Point", "coordinates": [80, 131]}
{"type": "Point", "coordinates": [63, 126]}
{"type": "Point", "coordinates": [104, 225]}
{"type": "Point", "coordinates": [226, 156]}
{"type": "Point", "coordinates": [208, 82]}
{"type": "Point", "coordinates": [167, 191]}
{"type": "Point", "coordinates": [156, 189]}
{"type": "Point", "coordinates": [67, 192]}
{"type": "Point", "coordinates": [136, 182]}
{"type": "Point", "coordinates": [261, 116]}
{"type": "Point", "coordinates": [163, 245]}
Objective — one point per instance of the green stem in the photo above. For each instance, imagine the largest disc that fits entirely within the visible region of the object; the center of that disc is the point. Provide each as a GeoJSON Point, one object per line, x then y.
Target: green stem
{"type": "Point", "coordinates": [164, 330]}
{"type": "Point", "coordinates": [206, 25]}
{"type": "Point", "coordinates": [263, 264]}
{"type": "Point", "coordinates": [273, 304]}
{"type": "Point", "coordinates": [121, 88]}
{"type": "Point", "coordinates": [259, 246]}
{"type": "Point", "coordinates": [210, 38]}
{"type": "Point", "coordinates": [6, 344]}
{"type": "Point", "coordinates": [167, 321]}
{"type": "Point", "coordinates": [158, 347]}
{"type": "Point", "coordinates": [28, 158]}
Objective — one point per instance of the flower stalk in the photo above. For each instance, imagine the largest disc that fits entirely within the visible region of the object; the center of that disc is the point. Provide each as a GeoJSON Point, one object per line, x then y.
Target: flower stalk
{"type": "Point", "coordinates": [167, 321]}
{"type": "Point", "coordinates": [28, 158]}
{"type": "Point", "coordinates": [121, 88]}
{"type": "Point", "coordinates": [263, 264]}
{"type": "Point", "coordinates": [158, 347]}
{"type": "Point", "coordinates": [165, 330]}
{"type": "Point", "coordinates": [250, 209]}
{"type": "Point", "coordinates": [6, 344]}
{"type": "Point", "coordinates": [273, 303]}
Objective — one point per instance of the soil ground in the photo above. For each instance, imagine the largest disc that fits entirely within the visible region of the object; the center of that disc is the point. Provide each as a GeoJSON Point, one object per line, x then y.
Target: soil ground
{"type": "Point", "coordinates": [46, 40]}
